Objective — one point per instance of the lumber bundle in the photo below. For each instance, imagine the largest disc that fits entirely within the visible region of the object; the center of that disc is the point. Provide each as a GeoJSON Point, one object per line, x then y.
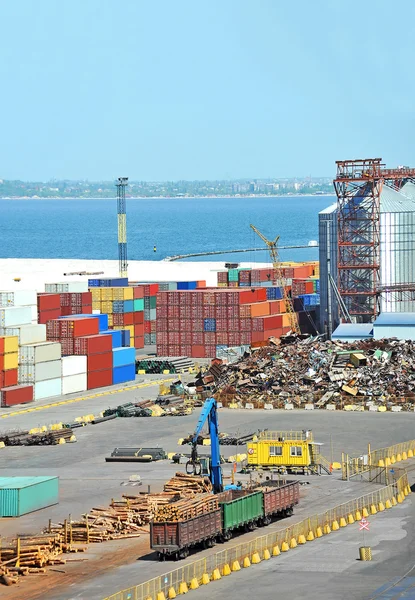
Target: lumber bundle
{"type": "Point", "coordinates": [29, 554]}
{"type": "Point", "coordinates": [188, 485]}
{"type": "Point", "coordinates": [186, 509]}
{"type": "Point", "coordinates": [46, 438]}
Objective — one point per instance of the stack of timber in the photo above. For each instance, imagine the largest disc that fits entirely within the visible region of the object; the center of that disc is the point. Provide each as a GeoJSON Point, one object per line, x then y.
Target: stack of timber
{"type": "Point", "coordinates": [188, 485]}
{"type": "Point", "coordinates": [45, 438]}
{"type": "Point", "coordinates": [186, 509]}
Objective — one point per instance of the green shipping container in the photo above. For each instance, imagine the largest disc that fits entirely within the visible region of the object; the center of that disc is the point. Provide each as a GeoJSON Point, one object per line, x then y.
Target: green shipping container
{"type": "Point", "coordinates": [153, 301]}
{"type": "Point", "coordinates": [22, 495]}
{"type": "Point", "coordinates": [240, 507]}
{"type": "Point", "coordinates": [139, 305]}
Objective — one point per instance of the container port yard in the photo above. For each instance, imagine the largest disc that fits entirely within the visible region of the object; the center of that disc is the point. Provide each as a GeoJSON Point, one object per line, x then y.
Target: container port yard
{"type": "Point", "coordinates": [215, 415]}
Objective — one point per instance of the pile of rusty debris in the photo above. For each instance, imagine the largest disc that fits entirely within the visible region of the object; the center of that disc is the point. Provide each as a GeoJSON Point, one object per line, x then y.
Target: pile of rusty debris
{"type": "Point", "coordinates": [319, 372]}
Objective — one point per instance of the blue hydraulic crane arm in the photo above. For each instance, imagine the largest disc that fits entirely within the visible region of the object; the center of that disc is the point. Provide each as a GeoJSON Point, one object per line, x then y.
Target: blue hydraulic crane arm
{"type": "Point", "coordinates": [209, 413]}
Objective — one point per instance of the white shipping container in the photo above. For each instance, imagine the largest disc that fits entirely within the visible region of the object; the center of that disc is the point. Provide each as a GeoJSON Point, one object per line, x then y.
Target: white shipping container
{"type": "Point", "coordinates": [34, 313]}
{"type": "Point", "coordinates": [73, 365]}
{"type": "Point", "coordinates": [48, 389]}
{"type": "Point", "coordinates": [40, 371]}
{"type": "Point", "coordinates": [15, 315]}
{"type": "Point", "coordinates": [31, 354]}
{"type": "Point", "coordinates": [18, 298]}
{"type": "Point", "coordinates": [27, 334]}
{"type": "Point", "coordinates": [74, 383]}
{"type": "Point", "coordinates": [66, 287]}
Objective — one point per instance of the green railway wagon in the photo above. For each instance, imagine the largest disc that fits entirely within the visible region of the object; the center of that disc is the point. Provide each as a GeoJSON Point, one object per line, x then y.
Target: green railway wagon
{"type": "Point", "coordinates": [240, 508]}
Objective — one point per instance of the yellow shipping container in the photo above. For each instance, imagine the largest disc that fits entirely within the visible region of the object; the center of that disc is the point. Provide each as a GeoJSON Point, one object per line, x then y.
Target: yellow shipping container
{"type": "Point", "coordinates": [289, 453]}
{"type": "Point", "coordinates": [132, 342]}
{"type": "Point", "coordinates": [110, 320]}
{"type": "Point", "coordinates": [96, 305]}
{"type": "Point", "coordinates": [11, 361]}
{"type": "Point", "coordinates": [128, 293]}
{"type": "Point", "coordinates": [96, 293]}
{"type": "Point", "coordinates": [106, 293]}
{"type": "Point", "coordinates": [11, 343]}
{"type": "Point", "coordinates": [117, 293]}
{"type": "Point", "coordinates": [106, 307]}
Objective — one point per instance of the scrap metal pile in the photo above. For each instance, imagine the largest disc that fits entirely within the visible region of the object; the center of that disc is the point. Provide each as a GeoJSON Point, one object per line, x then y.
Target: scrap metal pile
{"type": "Point", "coordinates": [321, 372]}
{"type": "Point", "coordinates": [44, 438]}
{"type": "Point", "coordinates": [164, 405]}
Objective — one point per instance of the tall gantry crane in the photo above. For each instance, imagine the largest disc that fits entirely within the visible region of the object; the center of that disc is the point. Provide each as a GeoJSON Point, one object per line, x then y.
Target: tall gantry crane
{"type": "Point", "coordinates": [279, 279]}
{"type": "Point", "coordinates": [121, 184]}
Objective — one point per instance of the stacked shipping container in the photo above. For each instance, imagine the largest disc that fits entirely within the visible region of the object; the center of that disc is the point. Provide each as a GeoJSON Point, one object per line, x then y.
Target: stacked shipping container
{"type": "Point", "coordinates": [194, 323]}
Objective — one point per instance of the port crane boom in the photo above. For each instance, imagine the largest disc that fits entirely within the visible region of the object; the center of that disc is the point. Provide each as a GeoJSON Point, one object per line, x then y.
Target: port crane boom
{"type": "Point", "coordinates": [193, 466]}
{"type": "Point", "coordinates": [276, 263]}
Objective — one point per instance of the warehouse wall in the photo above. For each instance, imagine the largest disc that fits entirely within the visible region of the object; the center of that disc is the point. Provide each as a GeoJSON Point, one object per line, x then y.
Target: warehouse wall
{"type": "Point", "coordinates": [327, 220]}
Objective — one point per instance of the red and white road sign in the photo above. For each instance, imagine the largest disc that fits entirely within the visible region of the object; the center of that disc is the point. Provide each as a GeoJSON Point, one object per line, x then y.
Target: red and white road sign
{"type": "Point", "coordinates": [364, 524]}
{"type": "Point", "coordinates": [250, 451]}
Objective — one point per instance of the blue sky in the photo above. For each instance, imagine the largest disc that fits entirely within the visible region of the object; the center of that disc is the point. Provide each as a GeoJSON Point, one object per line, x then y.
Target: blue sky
{"type": "Point", "coordinates": [203, 89]}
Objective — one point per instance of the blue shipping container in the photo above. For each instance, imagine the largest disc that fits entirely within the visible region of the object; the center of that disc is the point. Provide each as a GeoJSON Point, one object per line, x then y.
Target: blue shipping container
{"type": "Point", "coordinates": [209, 324]}
{"type": "Point", "coordinates": [93, 283]}
{"type": "Point", "coordinates": [118, 306]}
{"type": "Point", "coordinates": [123, 356]}
{"type": "Point", "coordinates": [186, 285]}
{"type": "Point", "coordinates": [116, 337]}
{"type": "Point", "coordinates": [128, 306]}
{"type": "Point", "coordinates": [22, 495]}
{"type": "Point", "coordinates": [111, 282]}
{"type": "Point", "coordinates": [124, 373]}
{"type": "Point", "coordinates": [125, 338]}
{"type": "Point", "coordinates": [102, 320]}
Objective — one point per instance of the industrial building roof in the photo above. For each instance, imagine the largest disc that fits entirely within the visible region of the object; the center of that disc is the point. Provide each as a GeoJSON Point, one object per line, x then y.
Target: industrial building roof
{"type": "Point", "coordinates": [387, 319]}
{"type": "Point", "coordinates": [353, 330]}
{"type": "Point", "coordinates": [390, 200]}
{"type": "Point", "coordinates": [330, 209]}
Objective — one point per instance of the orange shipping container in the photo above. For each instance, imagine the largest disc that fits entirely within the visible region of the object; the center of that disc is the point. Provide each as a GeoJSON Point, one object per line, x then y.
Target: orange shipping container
{"type": "Point", "coordinates": [276, 307]}
{"type": "Point", "coordinates": [260, 309]}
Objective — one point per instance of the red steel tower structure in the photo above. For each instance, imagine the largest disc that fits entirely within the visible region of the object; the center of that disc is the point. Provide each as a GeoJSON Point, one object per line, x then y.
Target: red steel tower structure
{"type": "Point", "coordinates": [358, 186]}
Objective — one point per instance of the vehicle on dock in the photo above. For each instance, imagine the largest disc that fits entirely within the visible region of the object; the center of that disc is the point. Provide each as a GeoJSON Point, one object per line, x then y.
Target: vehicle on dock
{"type": "Point", "coordinates": [284, 452]}
{"type": "Point", "coordinates": [239, 511]}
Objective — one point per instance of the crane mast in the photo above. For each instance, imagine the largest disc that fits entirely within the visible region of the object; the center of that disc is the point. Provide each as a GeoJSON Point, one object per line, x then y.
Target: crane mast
{"type": "Point", "coordinates": [276, 263]}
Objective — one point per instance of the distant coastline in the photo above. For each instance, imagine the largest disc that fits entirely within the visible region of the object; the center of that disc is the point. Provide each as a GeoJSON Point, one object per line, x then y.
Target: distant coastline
{"type": "Point", "coordinates": [236, 197]}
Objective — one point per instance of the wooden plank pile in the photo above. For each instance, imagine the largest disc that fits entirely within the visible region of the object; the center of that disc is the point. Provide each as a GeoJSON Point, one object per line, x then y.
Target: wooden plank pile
{"type": "Point", "coordinates": [188, 485]}
{"type": "Point", "coordinates": [187, 508]}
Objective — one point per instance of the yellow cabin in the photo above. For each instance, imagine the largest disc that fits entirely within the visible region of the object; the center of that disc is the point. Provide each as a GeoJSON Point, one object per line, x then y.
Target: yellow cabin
{"type": "Point", "coordinates": [286, 452]}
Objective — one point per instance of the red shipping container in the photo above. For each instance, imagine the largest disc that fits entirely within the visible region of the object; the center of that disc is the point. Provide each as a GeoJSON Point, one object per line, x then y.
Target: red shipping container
{"type": "Point", "coordinates": [162, 349]}
{"type": "Point", "coordinates": [221, 298]}
{"type": "Point", "coordinates": [153, 325]}
{"type": "Point", "coordinates": [196, 325]}
{"type": "Point", "coordinates": [196, 298]}
{"type": "Point", "coordinates": [208, 311]}
{"type": "Point", "coordinates": [86, 309]}
{"type": "Point", "coordinates": [266, 274]}
{"type": "Point", "coordinates": [163, 337]}
{"type": "Point", "coordinates": [233, 325]}
{"type": "Point", "coordinates": [245, 325]}
{"type": "Point", "coordinates": [197, 338]}
{"type": "Point", "coordinates": [100, 362]}
{"type": "Point", "coordinates": [174, 338]}
{"type": "Point", "coordinates": [147, 327]}
{"type": "Point", "coordinates": [46, 315]}
{"type": "Point", "coordinates": [139, 342]}
{"type": "Point", "coordinates": [173, 350]}
{"type": "Point", "coordinates": [2, 345]}
{"type": "Point", "coordinates": [186, 349]}
{"type": "Point", "coordinates": [173, 298]}
{"type": "Point", "coordinates": [174, 325]}
{"type": "Point", "coordinates": [151, 289]}
{"type": "Point", "coordinates": [210, 351]}
{"type": "Point", "coordinates": [93, 344]}
{"type": "Point", "coordinates": [198, 351]}
{"type": "Point", "coordinates": [185, 312]}
{"type": "Point", "coordinates": [8, 378]}
{"type": "Point", "coordinates": [246, 337]}
{"type": "Point", "coordinates": [139, 330]}
{"type": "Point", "coordinates": [138, 292]}
{"type": "Point", "coordinates": [162, 299]}
{"type": "Point", "coordinates": [67, 345]}
{"type": "Point", "coordinates": [79, 327]}
{"type": "Point", "coordinates": [209, 298]}
{"type": "Point", "coordinates": [248, 296]}
{"type": "Point", "coordinates": [210, 338]}
{"type": "Point", "coordinates": [122, 318]}
{"type": "Point", "coordinates": [233, 284]}
{"type": "Point", "coordinates": [161, 324]}
{"type": "Point", "coordinates": [17, 394]}
{"type": "Point", "coordinates": [186, 325]}
{"type": "Point", "coordinates": [197, 312]}
{"type": "Point", "coordinates": [244, 276]}
{"type": "Point", "coordinates": [222, 325]}
{"type": "Point", "coordinates": [48, 302]}
{"type": "Point", "coordinates": [173, 311]}
{"type": "Point", "coordinates": [222, 276]}
{"type": "Point", "coordinates": [97, 379]}
{"type": "Point", "coordinates": [234, 339]}
{"type": "Point", "coordinates": [277, 307]}
{"type": "Point", "coordinates": [186, 337]}
{"type": "Point", "coordinates": [257, 336]}
{"type": "Point", "coordinates": [267, 323]}
{"type": "Point", "coordinates": [222, 338]}
{"type": "Point", "coordinates": [162, 311]}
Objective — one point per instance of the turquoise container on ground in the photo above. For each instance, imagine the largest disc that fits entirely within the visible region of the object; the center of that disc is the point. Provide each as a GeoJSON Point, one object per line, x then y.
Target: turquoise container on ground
{"type": "Point", "coordinates": [138, 305]}
{"type": "Point", "coordinates": [22, 495]}
{"type": "Point", "coordinates": [123, 356]}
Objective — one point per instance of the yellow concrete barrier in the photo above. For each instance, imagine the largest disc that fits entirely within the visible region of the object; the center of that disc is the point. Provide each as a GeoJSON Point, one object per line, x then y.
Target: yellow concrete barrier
{"type": "Point", "coordinates": [310, 536]}
{"type": "Point", "coordinates": [342, 522]}
{"type": "Point", "coordinates": [246, 563]}
{"type": "Point", "coordinates": [194, 584]}
{"type": "Point", "coordinates": [319, 532]}
{"type": "Point", "coordinates": [404, 455]}
{"type": "Point", "coordinates": [350, 518]}
{"type": "Point", "coordinates": [388, 504]}
{"type": "Point", "coordinates": [255, 558]}
{"type": "Point", "coordinates": [335, 525]}
{"type": "Point", "coordinates": [226, 570]}
{"type": "Point", "coordinates": [293, 543]}
{"type": "Point", "coordinates": [216, 575]}
{"type": "Point", "coordinates": [171, 594]}
{"type": "Point", "coordinates": [161, 596]}
{"type": "Point", "coordinates": [183, 589]}
{"type": "Point", "coordinates": [326, 529]}
{"type": "Point", "coordinates": [301, 539]}
{"type": "Point", "coordinates": [410, 453]}
{"type": "Point", "coordinates": [276, 551]}
{"type": "Point", "coordinates": [267, 554]}
{"type": "Point", "coordinates": [373, 510]}
{"type": "Point", "coordinates": [381, 507]}
{"type": "Point", "coordinates": [236, 566]}
{"type": "Point", "coordinates": [205, 579]}
{"type": "Point", "coordinates": [284, 547]}
{"type": "Point", "coordinates": [358, 515]}
{"type": "Point", "coordinates": [365, 512]}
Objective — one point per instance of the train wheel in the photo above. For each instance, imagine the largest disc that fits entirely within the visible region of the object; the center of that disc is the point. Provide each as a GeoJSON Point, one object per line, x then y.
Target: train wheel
{"type": "Point", "coordinates": [267, 520]}
{"type": "Point", "coordinates": [226, 536]}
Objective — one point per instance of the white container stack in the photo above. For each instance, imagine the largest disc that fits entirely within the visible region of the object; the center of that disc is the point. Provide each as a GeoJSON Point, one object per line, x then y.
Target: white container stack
{"type": "Point", "coordinates": [27, 334]}
{"type": "Point", "coordinates": [20, 298]}
{"type": "Point", "coordinates": [66, 287]}
{"type": "Point", "coordinates": [31, 354]}
{"type": "Point", "coordinates": [43, 371]}
{"type": "Point", "coordinates": [15, 315]}
{"type": "Point", "coordinates": [74, 374]}
{"type": "Point", "coordinates": [48, 388]}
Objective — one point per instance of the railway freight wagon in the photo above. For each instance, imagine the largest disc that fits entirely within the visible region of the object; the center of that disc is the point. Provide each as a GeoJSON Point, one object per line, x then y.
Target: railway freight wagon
{"type": "Point", "coordinates": [237, 509]}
